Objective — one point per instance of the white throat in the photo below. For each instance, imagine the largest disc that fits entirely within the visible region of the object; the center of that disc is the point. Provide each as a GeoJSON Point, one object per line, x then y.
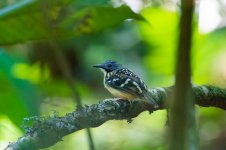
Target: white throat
{"type": "Point", "coordinates": [103, 71]}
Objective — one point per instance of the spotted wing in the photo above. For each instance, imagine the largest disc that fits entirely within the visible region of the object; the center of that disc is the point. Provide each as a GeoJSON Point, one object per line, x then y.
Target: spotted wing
{"type": "Point", "coordinates": [126, 81]}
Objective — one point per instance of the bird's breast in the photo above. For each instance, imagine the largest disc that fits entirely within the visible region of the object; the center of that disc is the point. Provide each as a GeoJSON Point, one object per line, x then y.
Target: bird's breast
{"type": "Point", "coordinates": [120, 94]}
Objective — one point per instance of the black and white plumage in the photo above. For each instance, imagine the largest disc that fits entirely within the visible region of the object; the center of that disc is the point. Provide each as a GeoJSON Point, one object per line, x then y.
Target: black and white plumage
{"type": "Point", "coordinates": [123, 83]}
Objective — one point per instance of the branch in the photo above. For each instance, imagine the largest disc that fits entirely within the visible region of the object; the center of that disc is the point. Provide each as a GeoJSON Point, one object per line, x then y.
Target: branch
{"type": "Point", "coordinates": [46, 132]}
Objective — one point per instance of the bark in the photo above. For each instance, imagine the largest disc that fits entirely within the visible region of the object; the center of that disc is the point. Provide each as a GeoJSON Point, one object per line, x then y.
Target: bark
{"type": "Point", "coordinates": [47, 131]}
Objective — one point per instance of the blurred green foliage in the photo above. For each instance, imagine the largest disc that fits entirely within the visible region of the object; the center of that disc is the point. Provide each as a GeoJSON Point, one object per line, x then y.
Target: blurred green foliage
{"type": "Point", "coordinates": [161, 38]}
{"type": "Point", "coordinates": [18, 98]}
{"type": "Point", "coordinates": [90, 32]}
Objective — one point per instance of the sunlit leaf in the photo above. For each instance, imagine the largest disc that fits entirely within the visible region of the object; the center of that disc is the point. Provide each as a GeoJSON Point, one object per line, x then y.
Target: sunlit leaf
{"type": "Point", "coordinates": [33, 73]}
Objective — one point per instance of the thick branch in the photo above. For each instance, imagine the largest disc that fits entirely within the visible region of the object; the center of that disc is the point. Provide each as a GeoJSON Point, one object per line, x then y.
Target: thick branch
{"type": "Point", "coordinates": [45, 132]}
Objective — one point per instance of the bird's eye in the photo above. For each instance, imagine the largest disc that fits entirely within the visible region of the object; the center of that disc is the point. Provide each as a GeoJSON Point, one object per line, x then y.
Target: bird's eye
{"type": "Point", "coordinates": [109, 65]}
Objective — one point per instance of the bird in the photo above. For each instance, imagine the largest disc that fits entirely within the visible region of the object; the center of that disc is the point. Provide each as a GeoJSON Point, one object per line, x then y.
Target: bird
{"type": "Point", "coordinates": [123, 83]}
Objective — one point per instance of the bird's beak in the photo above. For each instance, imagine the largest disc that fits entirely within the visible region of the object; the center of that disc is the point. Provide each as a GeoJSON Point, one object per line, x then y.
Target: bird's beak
{"type": "Point", "coordinates": [98, 66]}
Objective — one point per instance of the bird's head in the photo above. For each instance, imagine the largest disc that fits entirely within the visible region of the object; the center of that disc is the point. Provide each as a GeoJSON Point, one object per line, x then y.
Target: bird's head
{"type": "Point", "coordinates": [108, 66]}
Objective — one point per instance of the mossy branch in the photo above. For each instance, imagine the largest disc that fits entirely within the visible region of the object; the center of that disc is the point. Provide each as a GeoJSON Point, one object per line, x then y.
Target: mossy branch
{"type": "Point", "coordinates": [45, 132]}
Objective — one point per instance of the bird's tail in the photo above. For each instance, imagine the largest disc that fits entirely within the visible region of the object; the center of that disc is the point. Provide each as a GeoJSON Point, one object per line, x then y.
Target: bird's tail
{"type": "Point", "coordinates": [149, 97]}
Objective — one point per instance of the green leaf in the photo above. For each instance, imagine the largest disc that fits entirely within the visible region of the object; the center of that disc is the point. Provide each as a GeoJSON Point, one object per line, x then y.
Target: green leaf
{"type": "Point", "coordinates": [18, 98]}
{"type": "Point", "coordinates": [25, 20]}
{"type": "Point", "coordinates": [29, 19]}
{"type": "Point", "coordinates": [96, 19]}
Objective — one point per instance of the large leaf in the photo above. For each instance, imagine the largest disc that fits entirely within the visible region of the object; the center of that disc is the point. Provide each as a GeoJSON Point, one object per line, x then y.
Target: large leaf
{"type": "Point", "coordinates": [29, 19]}
{"type": "Point", "coordinates": [18, 98]}
{"type": "Point", "coordinates": [25, 20]}
{"type": "Point", "coordinates": [95, 19]}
